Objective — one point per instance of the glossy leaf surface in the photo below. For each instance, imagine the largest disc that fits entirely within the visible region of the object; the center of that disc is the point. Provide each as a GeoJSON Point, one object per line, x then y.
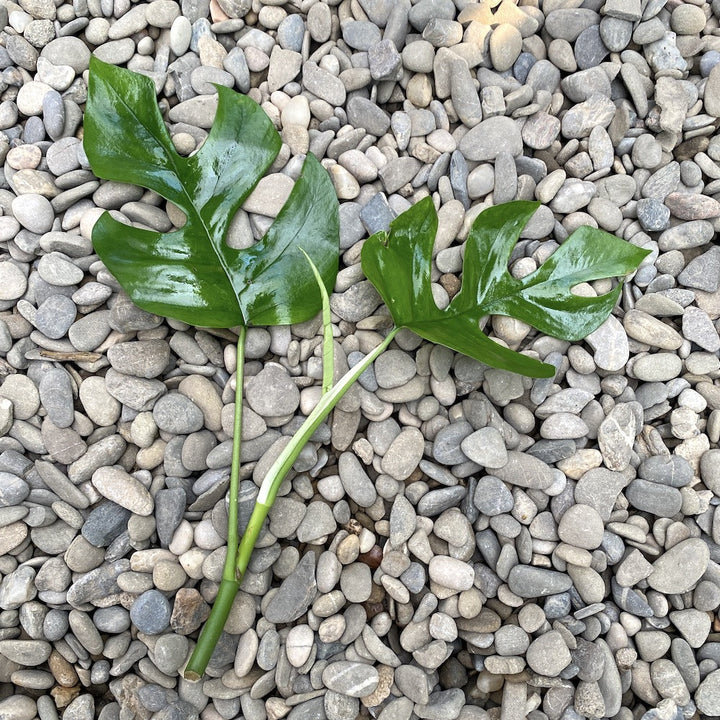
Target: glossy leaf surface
{"type": "Point", "coordinates": [399, 263]}
{"type": "Point", "coordinates": [191, 274]}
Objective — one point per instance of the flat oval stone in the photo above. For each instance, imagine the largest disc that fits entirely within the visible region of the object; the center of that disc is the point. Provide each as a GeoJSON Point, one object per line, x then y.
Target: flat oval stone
{"type": "Point", "coordinates": [529, 582]}
{"type": "Point", "coordinates": [56, 396]}
{"type": "Point", "coordinates": [660, 500]}
{"type": "Point", "coordinates": [177, 414]}
{"type": "Point", "coordinates": [295, 594]}
{"type": "Point", "coordinates": [355, 480]}
{"type": "Point", "coordinates": [489, 138]}
{"type": "Point", "coordinates": [26, 652]}
{"type": "Point", "coordinates": [55, 316]}
{"type": "Point", "coordinates": [679, 568]}
{"type": "Point", "coordinates": [525, 471]}
{"type": "Point", "coordinates": [123, 489]}
{"type": "Point", "coordinates": [33, 212]}
{"type": "Point", "coordinates": [355, 679]}
{"type": "Point", "coordinates": [299, 644]}
{"type": "Point", "coordinates": [142, 358]}
{"type": "Point", "coordinates": [451, 573]}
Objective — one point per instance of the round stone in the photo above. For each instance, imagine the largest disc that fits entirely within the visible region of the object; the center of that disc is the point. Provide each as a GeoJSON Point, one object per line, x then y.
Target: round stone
{"type": "Point", "coordinates": [151, 612]}
{"type": "Point", "coordinates": [272, 392]}
{"type": "Point", "coordinates": [548, 655]}
{"type": "Point", "coordinates": [581, 526]}
{"type": "Point", "coordinates": [687, 19]}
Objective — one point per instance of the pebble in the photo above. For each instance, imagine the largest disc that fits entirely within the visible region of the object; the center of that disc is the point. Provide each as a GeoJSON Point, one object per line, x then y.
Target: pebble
{"type": "Point", "coordinates": [451, 573]}
{"type": "Point", "coordinates": [692, 555]}
{"type": "Point", "coordinates": [354, 679]}
{"type": "Point", "coordinates": [548, 654]}
{"type": "Point", "coordinates": [490, 137]}
{"type": "Point", "coordinates": [117, 485]}
{"type": "Point", "coordinates": [272, 393]}
{"type": "Point", "coordinates": [581, 526]}
{"type": "Point", "coordinates": [13, 282]}
{"type": "Point", "coordinates": [295, 594]}
{"type": "Point", "coordinates": [151, 612]}
{"type": "Point", "coordinates": [707, 695]}
{"type": "Point", "coordinates": [527, 581]}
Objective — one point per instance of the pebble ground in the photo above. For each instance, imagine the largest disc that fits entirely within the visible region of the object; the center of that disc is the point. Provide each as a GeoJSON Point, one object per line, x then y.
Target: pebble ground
{"type": "Point", "coordinates": [457, 542]}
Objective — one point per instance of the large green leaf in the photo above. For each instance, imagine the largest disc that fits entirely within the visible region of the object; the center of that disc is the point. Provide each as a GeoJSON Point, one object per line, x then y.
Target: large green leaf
{"type": "Point", "coordinates": [398, 263]}
{"type": "Point", "coordinates": [191, 274]}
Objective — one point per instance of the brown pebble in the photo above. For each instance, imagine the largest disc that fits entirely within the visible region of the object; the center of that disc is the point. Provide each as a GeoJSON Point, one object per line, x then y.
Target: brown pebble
{"type": "Point", "coordinates": [690, 148]}
{"type": "Point", "coordinates": [372, 558]}
{"type": "Point", "coordinates": [63, 672]}
{"type": "Point", "coordinates": [63, 696]}
{"type": "Point", "coordinates": [451, 283]}
{"type": "Point", "coordinates": [190, 611]}
{"type": "Point", "coordinates": [386, 676]}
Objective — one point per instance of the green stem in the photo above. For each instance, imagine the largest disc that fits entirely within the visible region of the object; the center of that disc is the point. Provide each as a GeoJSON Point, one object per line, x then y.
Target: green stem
{"type": "Point", "coordinates": [227, 591]}
{"type": "Point", "coordinates": [229, 567]}
{"type": "Point", "coordinates": [210, 634]}
{"type": "Point", "coordinates": [229, 586]}
{"type": "Point", "coordinates": [266, 497]}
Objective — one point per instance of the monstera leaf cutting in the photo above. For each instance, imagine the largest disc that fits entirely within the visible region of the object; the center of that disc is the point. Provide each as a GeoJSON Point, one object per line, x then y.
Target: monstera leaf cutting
{"type": "Point", "coordinates": [191, 274]}
{"type": "Point", "coordinates": [398, 263]}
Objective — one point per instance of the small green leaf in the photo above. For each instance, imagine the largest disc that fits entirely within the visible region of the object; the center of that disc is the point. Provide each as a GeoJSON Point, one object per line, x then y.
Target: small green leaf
{"type": "Point", "coordinates": [398, 263]}
{"type": "Point", "coordinates": [191, 274]}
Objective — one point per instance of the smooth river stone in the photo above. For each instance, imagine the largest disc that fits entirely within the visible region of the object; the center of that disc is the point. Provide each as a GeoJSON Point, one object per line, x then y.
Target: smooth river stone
{"type": "Point", "coordinates": [122, 488]}
{"type": "Point", "coordinates": [679, 569]}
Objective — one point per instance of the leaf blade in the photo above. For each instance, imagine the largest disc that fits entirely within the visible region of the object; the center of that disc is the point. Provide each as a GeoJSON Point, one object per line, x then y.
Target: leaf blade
{"type": "Point", "coordinates": [308, 220]}
{"type": "Point", "coordinates": [543, 299]}
{"type": "Point", "coordinates": [408, 244]}
{"type": "Point", "coordinates": [191, 274]}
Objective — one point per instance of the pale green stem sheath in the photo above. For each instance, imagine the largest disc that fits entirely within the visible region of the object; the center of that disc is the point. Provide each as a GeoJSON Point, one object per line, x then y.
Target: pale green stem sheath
{"type": "Point", "coordinates": [275, 476]}
{"type": "Point", "coordinates": [328, 349]}
{"type": "Point", "coordinates": [229, 586]}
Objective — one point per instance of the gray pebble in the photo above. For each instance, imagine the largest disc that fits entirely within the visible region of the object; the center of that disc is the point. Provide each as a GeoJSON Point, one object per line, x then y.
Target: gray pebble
{"type": "Point", "coordinates": [56, 396]}
{"type": "Point", "coordinates": [151, 612]}
{"type": "Point", "coordinates": [177, 414]}
{"type": "Point", "coordinates": [295, 594]}
{"type": "Point", "coordinates": [527, 581]}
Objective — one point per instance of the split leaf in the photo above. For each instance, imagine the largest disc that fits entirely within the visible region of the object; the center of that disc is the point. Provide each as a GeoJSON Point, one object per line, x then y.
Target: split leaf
{"type": "Point", "coordinates": [399, 263]}
{"type": "Point", "coordinates": [191, 274]}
